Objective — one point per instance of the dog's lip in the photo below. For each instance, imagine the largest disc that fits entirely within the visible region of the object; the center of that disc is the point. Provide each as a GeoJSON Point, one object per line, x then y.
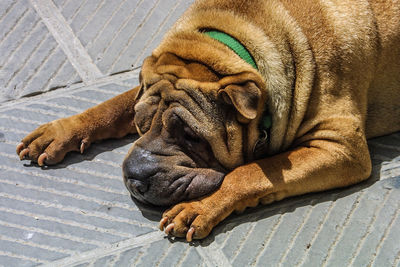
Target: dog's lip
{"type": "Point", "coordinates": [173, 190]}
{"type": "Point", "coordinates": [182, 188]}
{"type": "Point", "coordinates": [183, 184]}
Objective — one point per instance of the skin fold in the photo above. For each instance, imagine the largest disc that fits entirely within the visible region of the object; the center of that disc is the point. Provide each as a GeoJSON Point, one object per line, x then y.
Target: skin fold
{"type": "Point", "coordinates": [328, 73]}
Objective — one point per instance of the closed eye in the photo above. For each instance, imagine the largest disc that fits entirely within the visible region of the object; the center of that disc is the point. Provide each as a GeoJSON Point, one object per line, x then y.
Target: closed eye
{"type": "Point", "coordinates": [180, 130]}
{"type": "Point", "coordinates": [190, 135]}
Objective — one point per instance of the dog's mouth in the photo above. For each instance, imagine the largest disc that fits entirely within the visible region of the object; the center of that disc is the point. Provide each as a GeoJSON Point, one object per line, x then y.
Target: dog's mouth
{"type": "Point", "coordinates": [159, 191]}
{"type": "Point", "coordinates": [171, 173]}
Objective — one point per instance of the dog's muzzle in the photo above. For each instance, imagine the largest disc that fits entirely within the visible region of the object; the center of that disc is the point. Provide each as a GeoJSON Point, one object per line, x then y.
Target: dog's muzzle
{"type": "Point", "coordinates": [164, 180]}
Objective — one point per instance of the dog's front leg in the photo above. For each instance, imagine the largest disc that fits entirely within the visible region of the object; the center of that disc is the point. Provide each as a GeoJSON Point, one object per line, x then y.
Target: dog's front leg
{"type": "Point", "coordinates": [316, 166]}
{"type": "Point", "coordinates": [49, 143]}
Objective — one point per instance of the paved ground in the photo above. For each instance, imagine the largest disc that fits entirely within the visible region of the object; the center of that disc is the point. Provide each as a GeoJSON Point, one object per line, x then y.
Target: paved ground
{"type": "Point", "coordinates": [79, 213]}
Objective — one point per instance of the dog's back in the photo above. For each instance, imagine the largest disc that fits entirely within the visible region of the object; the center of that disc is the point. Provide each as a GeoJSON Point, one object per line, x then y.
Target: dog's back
{"type": "Point", "coordinates": [384, 92]}
{"type": "Point", "coordinates": [359, 41]}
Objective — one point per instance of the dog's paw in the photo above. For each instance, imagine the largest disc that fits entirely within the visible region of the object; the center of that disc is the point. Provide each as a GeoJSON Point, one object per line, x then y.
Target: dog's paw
{"type": "Point", "coordinates": [193, 220]}
{"type": "Point", "coordinates": [48, 144]}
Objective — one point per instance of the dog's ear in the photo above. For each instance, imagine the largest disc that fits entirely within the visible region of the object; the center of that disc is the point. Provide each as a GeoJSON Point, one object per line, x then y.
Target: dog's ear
{"type": "Point", "coordinates": [244, 97]}
{"type": "Point", "coordinates": [141, 87]}
{"type": "Point", "coordinates": [139, 92]}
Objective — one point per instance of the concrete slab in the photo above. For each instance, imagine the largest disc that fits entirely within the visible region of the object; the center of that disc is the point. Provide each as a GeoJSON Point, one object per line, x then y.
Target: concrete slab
{"type": "Point", "coordinates": [114, 36]}
{"type": "Point", "coordinates": [78, 213]}
{"type": "Point", "coordinates": [31, 60]}
{"type": "Point", "coordinates": [119, 34]}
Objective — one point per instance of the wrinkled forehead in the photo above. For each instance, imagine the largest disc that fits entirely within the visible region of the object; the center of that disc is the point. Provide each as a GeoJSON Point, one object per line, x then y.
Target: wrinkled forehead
{"type": "Point", "coordinates": [170, 70]}
{"type": "Point", "coordinates": [171, 67]}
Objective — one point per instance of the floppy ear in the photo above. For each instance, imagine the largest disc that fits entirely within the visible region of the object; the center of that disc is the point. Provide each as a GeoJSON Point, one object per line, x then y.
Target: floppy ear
{"type": "Point", "coordinates": [244, 97]}
{"type": "Point", "coordinates": [140, 90]}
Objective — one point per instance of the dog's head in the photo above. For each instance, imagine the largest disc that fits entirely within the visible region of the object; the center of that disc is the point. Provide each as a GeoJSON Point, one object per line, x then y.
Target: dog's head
{"type": "Point", "coordinates": [195, 125]}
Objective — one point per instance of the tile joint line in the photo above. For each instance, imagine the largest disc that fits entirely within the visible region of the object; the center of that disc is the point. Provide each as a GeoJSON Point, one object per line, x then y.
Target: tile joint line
{"type": "Point", "coordinates": [65, 37]}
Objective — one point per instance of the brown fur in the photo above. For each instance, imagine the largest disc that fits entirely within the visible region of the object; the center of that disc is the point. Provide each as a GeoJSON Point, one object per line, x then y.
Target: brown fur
{"type": "Point", "coordinates": [329, 73]}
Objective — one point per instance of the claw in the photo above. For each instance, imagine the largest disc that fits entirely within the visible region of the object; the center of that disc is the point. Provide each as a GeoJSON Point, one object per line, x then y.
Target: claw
{"type": "Point", "coordinates": [84, 145]}
{"type": "Point", "coordinates": [23, 153]}
{"type": "Point", "coordinates": [163, 222]}
{"type": "Point", "coordinates": [169, 228]}
{"type": "Point", "coordinates": [42, 158]}
{"type": "Point", "coordinates": [82, 149]}
{"type": "Point", "coordinates": [189, 234]}
{"type": "Point", "coordinates": [20, 146]}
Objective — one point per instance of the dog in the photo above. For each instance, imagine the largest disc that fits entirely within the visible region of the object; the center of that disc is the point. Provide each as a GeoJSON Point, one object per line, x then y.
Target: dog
{"type": "Point", "coordinates": [247, 102]}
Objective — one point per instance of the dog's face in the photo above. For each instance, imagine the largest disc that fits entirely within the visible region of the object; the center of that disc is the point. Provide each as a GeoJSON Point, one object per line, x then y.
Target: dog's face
{"type": "Point", "coordinates": [195, 125]}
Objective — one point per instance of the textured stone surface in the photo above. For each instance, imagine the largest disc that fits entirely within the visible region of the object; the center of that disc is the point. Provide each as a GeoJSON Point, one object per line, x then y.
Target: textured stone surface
{"type": "Point", "coordinates": [79, 213]}
{"type": "Point", "coordinates": [114, 36]}
{"type": "Point", "coordinates": [31, 60]}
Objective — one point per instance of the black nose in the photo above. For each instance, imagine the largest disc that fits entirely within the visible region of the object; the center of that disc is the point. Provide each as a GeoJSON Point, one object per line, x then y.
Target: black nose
{"type": "Point", "coordinates": [138, 167]}
{"type": "Point", "coordinates": [136, 187]}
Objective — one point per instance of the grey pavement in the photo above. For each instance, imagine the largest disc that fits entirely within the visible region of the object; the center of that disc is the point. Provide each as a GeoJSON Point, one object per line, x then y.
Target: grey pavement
{"type": "Point", "coordinates": [60, 57]}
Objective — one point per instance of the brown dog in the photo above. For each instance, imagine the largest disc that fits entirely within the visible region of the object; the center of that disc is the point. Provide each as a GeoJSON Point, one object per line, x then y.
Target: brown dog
{"type": "Point", "coordinates": [326, 72]}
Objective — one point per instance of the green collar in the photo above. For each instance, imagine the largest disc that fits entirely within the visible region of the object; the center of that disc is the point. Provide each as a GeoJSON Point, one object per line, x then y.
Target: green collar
{"type": "Point", "coordinates": [233, 44]}
{"type": "Point", "coordinates": [244, 54]}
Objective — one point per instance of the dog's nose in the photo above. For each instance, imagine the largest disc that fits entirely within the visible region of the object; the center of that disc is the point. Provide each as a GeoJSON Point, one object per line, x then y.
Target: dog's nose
{"type": "Point", "coordinates": [137, 167]}
{"type": "Point", "coordinates": [137, 186]}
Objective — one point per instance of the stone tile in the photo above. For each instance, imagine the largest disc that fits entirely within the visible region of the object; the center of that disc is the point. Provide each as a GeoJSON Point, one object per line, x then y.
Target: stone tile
{"type": "Point", "coordinates": [32, 60]}
{"type": "Point", "coordinates": [119, 34]}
